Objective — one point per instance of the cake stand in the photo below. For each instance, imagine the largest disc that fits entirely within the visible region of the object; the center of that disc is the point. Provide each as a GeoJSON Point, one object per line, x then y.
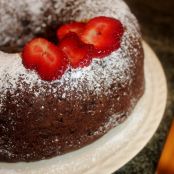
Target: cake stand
{"type": "Point", "coordinates": [120, 144]}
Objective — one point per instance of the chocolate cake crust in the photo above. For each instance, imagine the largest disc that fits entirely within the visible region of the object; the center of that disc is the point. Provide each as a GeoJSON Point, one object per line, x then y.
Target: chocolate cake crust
{"type": "Point", "coordinates": [39, 119]}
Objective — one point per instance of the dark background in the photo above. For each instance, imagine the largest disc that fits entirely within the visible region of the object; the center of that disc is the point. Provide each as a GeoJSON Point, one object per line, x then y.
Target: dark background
{"type": "Point", "coordinates": [156, 18]}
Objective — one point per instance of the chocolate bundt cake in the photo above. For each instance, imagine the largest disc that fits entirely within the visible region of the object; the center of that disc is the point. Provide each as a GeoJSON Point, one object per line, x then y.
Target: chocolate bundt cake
{"type": "Point", "coordinates": [41, 119]}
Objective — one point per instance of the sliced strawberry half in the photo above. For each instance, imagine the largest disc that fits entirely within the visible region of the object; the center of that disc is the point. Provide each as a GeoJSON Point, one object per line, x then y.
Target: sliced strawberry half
{"type": "Point", "coordinates": [74, 27]}
{"type": "Point", "coordinates": [78, 53]}
{"type": "Point", "coordinates": [104, 33]}
{"type": "Point", "coordinates": [46, 58]}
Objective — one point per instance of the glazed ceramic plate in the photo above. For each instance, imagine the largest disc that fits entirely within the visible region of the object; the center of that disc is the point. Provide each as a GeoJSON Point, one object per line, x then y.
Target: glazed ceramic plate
{"type": "Point", "coordinates": [119, 145]}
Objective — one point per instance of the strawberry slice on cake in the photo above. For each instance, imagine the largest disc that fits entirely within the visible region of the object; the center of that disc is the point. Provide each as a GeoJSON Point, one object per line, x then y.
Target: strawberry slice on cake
{"type": "Point", "coordinates": [104, 33]}
{"type": "Point", "coordinates": [44, 57]}
{"type": "Point", "coordinates": [78, 53]}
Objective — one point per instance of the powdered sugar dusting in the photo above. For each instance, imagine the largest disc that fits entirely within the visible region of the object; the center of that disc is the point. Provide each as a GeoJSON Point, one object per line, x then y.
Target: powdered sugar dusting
{"type": "Point", "coordinates": [20, 20]}
{"type": "Point", "coordinates": [98, 76]}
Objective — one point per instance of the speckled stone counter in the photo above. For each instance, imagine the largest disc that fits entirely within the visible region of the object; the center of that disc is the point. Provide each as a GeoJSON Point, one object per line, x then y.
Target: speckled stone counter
{"type": "Point", "coordinates": [157, 22]}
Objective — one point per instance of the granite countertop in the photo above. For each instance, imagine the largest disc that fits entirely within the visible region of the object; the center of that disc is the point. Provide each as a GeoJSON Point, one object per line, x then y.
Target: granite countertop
{"type": "Point", "coordinates": [156, 18]}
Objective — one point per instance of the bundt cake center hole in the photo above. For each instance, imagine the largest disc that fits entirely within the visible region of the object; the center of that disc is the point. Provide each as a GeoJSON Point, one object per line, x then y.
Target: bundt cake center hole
{"type": "Point", "coordinates": [17, 44]}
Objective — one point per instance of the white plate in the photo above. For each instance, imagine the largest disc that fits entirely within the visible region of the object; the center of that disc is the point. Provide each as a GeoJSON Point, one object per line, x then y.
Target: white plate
{"type": "Point", "coordinates": [120, 144]}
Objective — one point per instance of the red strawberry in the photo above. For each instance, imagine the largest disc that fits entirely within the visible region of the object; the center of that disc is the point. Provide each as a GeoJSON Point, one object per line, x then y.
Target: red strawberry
{"type": "Point", "coordinates": [78, 53]}
{"type": "Point", "coordinates": [104, 33]}
{"type": "Point", "coordinates": [46, 58]}
{"type": "Point", "coordinates": [75, 27]}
